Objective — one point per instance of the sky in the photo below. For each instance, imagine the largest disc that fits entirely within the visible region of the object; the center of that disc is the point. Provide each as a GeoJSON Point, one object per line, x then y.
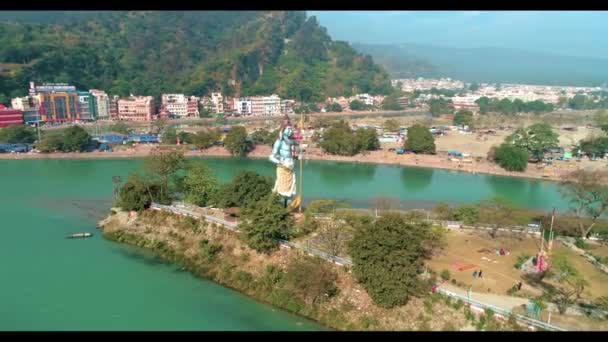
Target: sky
{"type": "Point", "coordinates": [571, 33]}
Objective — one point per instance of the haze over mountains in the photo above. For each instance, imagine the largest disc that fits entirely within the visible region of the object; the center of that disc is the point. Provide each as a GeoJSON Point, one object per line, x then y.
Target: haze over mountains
{"type": "Point", "coordinates": [491, 65]}
{"type": "Point", "coordinates": [552, 47]}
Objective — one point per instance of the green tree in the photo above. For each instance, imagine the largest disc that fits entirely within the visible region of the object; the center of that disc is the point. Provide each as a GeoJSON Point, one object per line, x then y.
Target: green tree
{"type": "Point", "coordinates": [511, 158]}
{"type": "Point", "coordinates": [162, 169]}
{"type": "Point", "coordinates": [474, 86]}
{"type": "Point", "coordinates": [391, 125]}
{"type": "Point", "coordinates": [236, 141]}
{"type": "Point", "coordinates": [311, 279]}
{"type": "Point", "coordinates": [367, 139]}
{"type": "Point", "coordinates": [388, 256]}
{"type": "Point", "coordinates": [467, 214]}
{"type": "Point", "coordinates": [75, 139]}
{"type": "Point", "coordinates": [463, 117]}
{"type": "Point", "coordinates": [199, 185]}
{"type": "Point", "coordinates": [137, 193]}
{"type": "Point", "coordinates": [265, 223]}
{"type": "Point", "coordinates": [498, 211]}
{"type": "Point", "coordinates": [341, 140]}
{"type": "Point", "coordinates": [205, 139]}
{"type": "Point", "coordinates": [185, 137]}
{"type": "Point", "coordinates": [120, 128]}
{"type": "Point", "coordinates": [600, 119]}
{"type": "Point", "coordinates": [537, 139]}
{"type": "Point", "coordinates": [578, 102]}
{"type": "Point", "coordinates": [18, 134]}
{"type": "Point", "coordinates": [50, 143]}
{"type": "Point", "coordinates": [244, 190]}
{"type": "Point", "coordinates": [440, 106]}
{"type": "Point", "coordinates": [333, 107]}
{"type": "Point", "coordinates": [170, 136]}
{"type": "Point", "coordinates": [420, 140]}
{"type": "Point", "coordinates": [264, 137]}
{"type": "Point", "coordinates": [357, 105]}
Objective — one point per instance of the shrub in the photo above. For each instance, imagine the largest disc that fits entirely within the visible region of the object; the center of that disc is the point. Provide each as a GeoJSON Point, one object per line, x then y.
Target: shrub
{"type": "Point", "coordinates": [445, 275]}
{"type": "Point", "coordinates": [310, 279]}
{"type": "Point", "coordinates": [420, 140]}
{"type": "Point", "coordinates": [521, 259]}
{"type": "Point", "coordinates": [209, 250]}
{"type": "Point", "coordinates": [265, 223]}
{"type": "Point", "coordinates": [580, 243]}
{"type": "Point", "coordinates": [458, 304]}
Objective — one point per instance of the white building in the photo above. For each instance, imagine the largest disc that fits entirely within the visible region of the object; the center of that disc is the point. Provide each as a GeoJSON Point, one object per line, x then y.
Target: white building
{"type": "Point", "coordinates": [24, 103]}
{"type": "Point", "coordinates": [102, 102]}
{"type": "Point", "coordinates": [218, 102]}
{"type": "Point", "coordinates": [265, 105]}
{"type": "Point", "coordinates": [242, 106]}
{"type": "Point", "coordinates": [136, 108]}
{"type": "Point", "coordinates": [175, 104]}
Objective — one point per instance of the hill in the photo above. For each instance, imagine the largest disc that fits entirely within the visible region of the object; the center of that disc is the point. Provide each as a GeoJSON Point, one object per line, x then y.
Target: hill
{"type": "Point", "coordinates": [491, 65]}
{"type": "Point", "coordinates": [238, 53]}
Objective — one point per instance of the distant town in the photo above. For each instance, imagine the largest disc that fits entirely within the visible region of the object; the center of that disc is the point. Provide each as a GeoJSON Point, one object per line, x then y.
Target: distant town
{"type": "Point", "coordinates": [57, 103]}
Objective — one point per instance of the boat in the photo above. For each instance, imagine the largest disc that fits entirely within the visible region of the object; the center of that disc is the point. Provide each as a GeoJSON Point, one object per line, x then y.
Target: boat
{"type": "Point", "coordinates": [79, 236]}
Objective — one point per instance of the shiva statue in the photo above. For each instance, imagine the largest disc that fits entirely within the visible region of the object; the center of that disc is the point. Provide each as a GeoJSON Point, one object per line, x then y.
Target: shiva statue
{"type": "Point", "coordinates": [283, 152]}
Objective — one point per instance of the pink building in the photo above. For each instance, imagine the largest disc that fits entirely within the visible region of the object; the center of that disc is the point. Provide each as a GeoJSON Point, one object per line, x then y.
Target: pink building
{"type": "Point", "coordinates": [193, 106]}
{"type": "Point", "coordinates": [136, 108]}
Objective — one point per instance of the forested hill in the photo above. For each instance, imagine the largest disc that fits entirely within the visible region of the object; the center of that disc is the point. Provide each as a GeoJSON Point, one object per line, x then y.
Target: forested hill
{"type": "Point", "coordinates": [148, 53]}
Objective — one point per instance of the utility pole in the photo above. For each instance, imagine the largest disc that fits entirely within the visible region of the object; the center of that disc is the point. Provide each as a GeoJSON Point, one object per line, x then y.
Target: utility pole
{"type": "Point", "coordinates": [550, 243]}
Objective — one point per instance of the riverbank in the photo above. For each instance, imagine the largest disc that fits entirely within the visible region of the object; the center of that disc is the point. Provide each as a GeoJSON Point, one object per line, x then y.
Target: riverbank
{"type": "Point", "coordinates": [217, 254]}
{"type": "Point", "coordinates": [555, 172]}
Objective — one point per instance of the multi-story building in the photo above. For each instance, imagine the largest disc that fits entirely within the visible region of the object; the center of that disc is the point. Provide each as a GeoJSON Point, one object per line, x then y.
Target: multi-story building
{"type": "Point", "coordinates": [113, 109]}
{"type": "Point", "coordinates": [87, 110]}
{"type": "Point", "coordinates": [228, 105]}
{"type": "Point", "coordinates": [136, 108]}
{"type": "Point", "coordinates": [102, 104]}
{"type": "Point", "coordinates": [10, 116]}
{"type": "Point", "coordinates": [60, 106]}
{"type": "Point", "coordinates": [175, 104]}
{"type": "Point", "coordinates": [242, 106]}
{"type": "Point", "coordinates": [218, 101]}
{"type": "Point", "coordinates": [265, 105]}
{"type": "Point", "coordinates": [287, 106]}
{"type": "Point", "coordinates": [193, 106]}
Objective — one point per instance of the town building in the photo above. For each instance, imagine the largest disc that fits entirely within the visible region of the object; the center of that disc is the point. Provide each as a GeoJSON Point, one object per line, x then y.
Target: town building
{"type": "Point", "coordinates": [87, 110]}
{"type": "Point", "coordinates": [265, 105]}
{"type": "Point", "coordinates": [102, 104]}
{"type": "Point", "coordinates": [113, 109]}
{"type": "Point", "coordinates": [229, 105]}
{"type": "Point", "coordinates": [287, 106]}
{"type": "Point", "coordinates": [218, 101]}
{"type": "Point", "coordinates": [59, 106]}
{"type": "Point", "coordinates": [193, 106]}
{"type": "Point", "coordinates": [136, 108]}
{"type": "Point", "coordinates": [10, 116]}
{"type": "Point", "coordinates": [175, 104]}
{"type": "Point", "coordinates": [242, 106]}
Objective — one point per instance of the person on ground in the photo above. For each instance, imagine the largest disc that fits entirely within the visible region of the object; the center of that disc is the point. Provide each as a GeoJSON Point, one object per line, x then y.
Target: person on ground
{"type": "Point", "coordinates": [479, 274]}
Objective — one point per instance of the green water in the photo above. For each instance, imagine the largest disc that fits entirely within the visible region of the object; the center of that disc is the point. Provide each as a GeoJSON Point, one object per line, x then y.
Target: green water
{"type": "Point", "coordinates": [50, 283]}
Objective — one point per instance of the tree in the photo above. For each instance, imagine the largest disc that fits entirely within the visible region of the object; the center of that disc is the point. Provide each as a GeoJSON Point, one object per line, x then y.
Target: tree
{"type": "Point", "coordinates": [570, 283]}
{"type": "Point", "coordinates": [511, 158]}
{"type": "Point", "coordinates": [236, 141]}
{"type": "Point", "coordinates": [120, 128]}
{"type": "Point", "coordinates": [75, 139]}
{"type": "Point", "coordinates": [185, 137]}
{"type": "Point", "coordinates": [333, 107]}
{"type": "Point", "coordinates": [388, 256]}
{"type": "Point", "coordinates": [587, 192]}
{"type": "Point", "coordinates": [341, 140]}
{"type": "Point", "coordinates": [357, 105]}
{"type": "Point", "coordinates": [160, 125]}
{"type": "Point", "coordinates": [311, 279]}
{"type": "Point", "coordinates": [537, 139]}
{"type": "Point", "coordinates": [467, 214]}
{"type": "Point", "coordinates": [205, 139]}
{"type": "Point", "coordinates": [137, 194]}
{"type": "Point", "coordinates": [265, 223]}
{"type": "Point", "coordinates": [439, 106]}
{"type": "Point", "coordinates": [577, 102]}
{"type": "Point", "coordinates": [474, 86]}
{"type": "Point", "coordinates": [333, 236]}
{"type": "Point", "coordinates": [600, 119]}
{"type": "Point", "coordinates": [391, 125]}
{"type": "Point", "coordinates": [161, 169]}
{"type": "Point", "coordinates": [464, 118]}
{"type": "Point", "coordinates": [199, 185]}
{"type": "Point", "coordinates": [246, 188]}
{"type": "Point", "coordinates": [420, 140]}
{"type": "Point", "coordinates": [264, 137]}
{"type": "Point", "coordinates": [367, 139]}
{"type": "Point", "coordinates": [170, 136]}
{"type": "Point", "coordinates": [50, 143]}
{"type": "Point", "coordinates": [18, 134]}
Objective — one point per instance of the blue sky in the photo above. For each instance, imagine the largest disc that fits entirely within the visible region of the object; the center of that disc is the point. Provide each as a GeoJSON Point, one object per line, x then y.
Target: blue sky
{"type": "Point", "coordinates": [575, 33]}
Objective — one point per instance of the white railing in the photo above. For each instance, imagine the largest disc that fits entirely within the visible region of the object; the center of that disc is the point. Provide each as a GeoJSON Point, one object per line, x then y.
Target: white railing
{"type": "Point", "coordinates": [503, 312]}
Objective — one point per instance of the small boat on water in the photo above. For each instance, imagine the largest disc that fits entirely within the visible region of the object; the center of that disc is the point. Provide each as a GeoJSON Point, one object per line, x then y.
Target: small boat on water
{"type": "Point", "coordinates": [79, 236]}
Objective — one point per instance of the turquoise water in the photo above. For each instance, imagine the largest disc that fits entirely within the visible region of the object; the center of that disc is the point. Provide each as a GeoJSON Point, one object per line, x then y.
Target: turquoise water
{"type": "Point", "coordinates": [51, 283]}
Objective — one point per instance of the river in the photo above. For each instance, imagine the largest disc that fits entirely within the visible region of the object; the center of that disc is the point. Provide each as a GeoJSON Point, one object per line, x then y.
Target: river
{"type": "Point", "coordinates": [52, 283]}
